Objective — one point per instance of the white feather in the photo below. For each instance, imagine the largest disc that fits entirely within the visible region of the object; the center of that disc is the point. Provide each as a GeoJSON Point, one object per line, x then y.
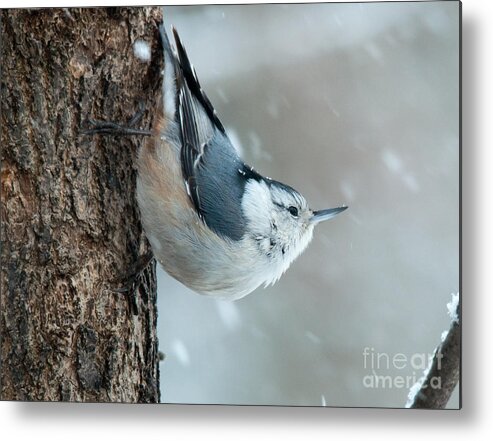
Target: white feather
{"type": "Point", "coordinates": [169, 87]}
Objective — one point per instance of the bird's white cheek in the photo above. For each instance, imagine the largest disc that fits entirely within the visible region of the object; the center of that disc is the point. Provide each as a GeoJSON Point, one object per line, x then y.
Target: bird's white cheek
{"type": "Point", "coordinates": [257, 206]}
{"type": "Point", "coordinates": [302, 243]}
{"type": "Point", "coordinates": [283, 262]}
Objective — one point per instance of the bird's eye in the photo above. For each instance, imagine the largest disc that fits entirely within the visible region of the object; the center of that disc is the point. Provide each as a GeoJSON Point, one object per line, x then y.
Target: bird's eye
{"type": "Point", "coordinates": [293, 211]}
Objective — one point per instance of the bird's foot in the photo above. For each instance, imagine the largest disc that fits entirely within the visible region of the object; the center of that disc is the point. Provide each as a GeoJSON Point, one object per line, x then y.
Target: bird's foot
{"type": "Point", "coordinates": [132, 282]}
{"type": "Point", "coordinates": [97, 127]}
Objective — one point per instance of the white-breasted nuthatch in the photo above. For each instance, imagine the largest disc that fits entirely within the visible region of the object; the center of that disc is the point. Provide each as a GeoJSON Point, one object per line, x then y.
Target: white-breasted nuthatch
{"type": "Point", "coordinates": [214, 223]}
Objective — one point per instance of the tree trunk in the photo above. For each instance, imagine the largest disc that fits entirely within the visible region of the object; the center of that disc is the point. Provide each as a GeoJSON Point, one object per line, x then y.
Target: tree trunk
{"type": "Point", "coordinates": [71, 231]}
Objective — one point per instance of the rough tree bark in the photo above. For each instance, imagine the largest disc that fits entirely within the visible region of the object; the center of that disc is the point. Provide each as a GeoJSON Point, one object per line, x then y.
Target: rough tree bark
{"type": "Point", "coordinates": [70, 225]}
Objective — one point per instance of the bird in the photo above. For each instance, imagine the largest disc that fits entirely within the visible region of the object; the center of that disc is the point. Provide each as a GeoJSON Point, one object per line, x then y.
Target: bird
{"type": "Point", "coordinates": [214, 223]}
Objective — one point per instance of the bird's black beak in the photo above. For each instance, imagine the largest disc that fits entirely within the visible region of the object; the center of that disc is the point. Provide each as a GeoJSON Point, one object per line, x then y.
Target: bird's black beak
{"type": "Point", "coordinates": [323, 215]}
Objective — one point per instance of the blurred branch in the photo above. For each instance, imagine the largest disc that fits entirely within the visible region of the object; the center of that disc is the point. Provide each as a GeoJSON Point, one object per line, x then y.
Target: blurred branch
{"type": "Point", "coordinates": [433, 391]}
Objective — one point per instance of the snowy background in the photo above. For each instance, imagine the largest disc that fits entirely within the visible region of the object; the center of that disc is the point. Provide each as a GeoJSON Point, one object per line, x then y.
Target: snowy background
{"type": "Point", "coordinates": [351, 104]}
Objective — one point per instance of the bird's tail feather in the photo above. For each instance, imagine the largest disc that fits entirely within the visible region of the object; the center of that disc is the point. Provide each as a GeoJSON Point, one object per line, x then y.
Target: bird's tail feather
{"type": "Point", "coordinates": [170, 77]}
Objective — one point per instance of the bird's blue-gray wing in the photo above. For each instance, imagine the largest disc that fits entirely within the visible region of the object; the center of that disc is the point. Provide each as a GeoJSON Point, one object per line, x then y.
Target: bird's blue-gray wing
{"type": "Point", "coordinates": [211, 168]}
